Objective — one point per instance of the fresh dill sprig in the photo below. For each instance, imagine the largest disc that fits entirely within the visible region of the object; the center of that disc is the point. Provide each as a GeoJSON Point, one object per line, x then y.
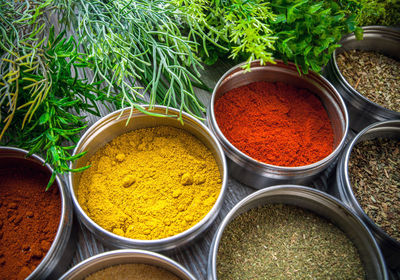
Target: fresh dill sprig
{"type": "Point", "coordinates": [135, 42]}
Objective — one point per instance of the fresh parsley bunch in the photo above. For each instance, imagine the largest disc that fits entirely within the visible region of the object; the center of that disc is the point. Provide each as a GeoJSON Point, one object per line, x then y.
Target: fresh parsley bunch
{"type": "Point", "coordinates": [308, 31]}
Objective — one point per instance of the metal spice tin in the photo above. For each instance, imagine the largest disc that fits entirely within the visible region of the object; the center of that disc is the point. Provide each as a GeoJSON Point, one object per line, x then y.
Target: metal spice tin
{"type": "Point", "coordinates": [61, 251]}
{"type": "Point", "coordinates": [115, 124]}
{"type": "Point", "coordinates": [125, 256]}
{"type": "Point", "coordinates": [362, 111]}
{"type": "Point", "coordinates": [258, 174]}
{"type": "Point", "coordinates": [342, 189]}
{"type": "Point", "coordinates": [322, 204]}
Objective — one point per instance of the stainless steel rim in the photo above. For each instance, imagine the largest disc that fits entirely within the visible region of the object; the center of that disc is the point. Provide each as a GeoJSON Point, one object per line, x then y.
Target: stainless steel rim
{"type": "Point", "coordinates": [288, 190]}
{"type": "Point", "coordinates": [347, 183]}
{"type": "Point", "coordinates": [158, 244]}
{"type": "Point", "coordinates": [385, 31]}
{"type": "Point", "coordinates": [62, 232]}
{"type": "Point", "coordinates": [81, 269]}
{"type": "Point", "coordinates": [232, 151]}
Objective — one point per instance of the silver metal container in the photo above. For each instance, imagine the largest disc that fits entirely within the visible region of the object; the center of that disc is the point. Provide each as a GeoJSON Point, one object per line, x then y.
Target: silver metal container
{"type": "Point", "coordinates": [343, 190]}
{"type": "Point", "coordinates": [320, 203]}
{"type": "Point", "coordinates": [125, 256]}
{"type": "Point", "coordinates": [61, 251]}
{"type": "Point", "coordinates": [362, 111]}
{"type": "Point", "coordinates": [258, 174]}
{"type": "Point", "coordinates": [115, 124]}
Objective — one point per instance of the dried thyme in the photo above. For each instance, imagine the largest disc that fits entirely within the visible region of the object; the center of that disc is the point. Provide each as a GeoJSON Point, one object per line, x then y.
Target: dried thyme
{"type": "Point", "coordinates": [375, 76]}
{"type": "Point", "coordinates": [374, 169]}
{"type": "Point", "coordinates": [286, 242]}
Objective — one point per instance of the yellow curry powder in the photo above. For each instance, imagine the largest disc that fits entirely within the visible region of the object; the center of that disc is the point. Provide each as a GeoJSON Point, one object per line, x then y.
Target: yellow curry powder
{"type": "Point", "coordinates": [150, 183]}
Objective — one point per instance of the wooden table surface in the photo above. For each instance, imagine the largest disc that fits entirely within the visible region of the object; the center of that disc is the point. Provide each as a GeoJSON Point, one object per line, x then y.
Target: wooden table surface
{"type": "Point", "coordinates": [195, 255]}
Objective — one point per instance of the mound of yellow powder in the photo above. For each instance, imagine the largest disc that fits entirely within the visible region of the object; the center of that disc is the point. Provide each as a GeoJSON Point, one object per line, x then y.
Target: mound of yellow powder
{"type": "Point", "coordinates": [150, 183]}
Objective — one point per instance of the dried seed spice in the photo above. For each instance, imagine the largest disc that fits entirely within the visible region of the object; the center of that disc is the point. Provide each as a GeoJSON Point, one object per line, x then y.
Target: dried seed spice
{"type": "Point", "coordinates": [374, 169]}
{"type": "Point", "coordinates": [286, 242]}
{"type": "Point", "coordinates": [374, 75]}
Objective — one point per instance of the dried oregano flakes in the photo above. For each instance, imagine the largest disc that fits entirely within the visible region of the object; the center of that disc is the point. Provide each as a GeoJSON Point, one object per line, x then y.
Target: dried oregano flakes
{"type": "Point", "coordinates": [374, 75]}
{"type": "Point", "coordinates": [285, 242]}
{"type": "Point", "coordinates": [374, 170]}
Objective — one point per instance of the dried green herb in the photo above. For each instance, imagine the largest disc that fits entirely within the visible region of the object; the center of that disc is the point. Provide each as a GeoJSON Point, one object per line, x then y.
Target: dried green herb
{"type": "Point", "coordinates": [374, 75]}
{"type": "Point", "coordinates": [374, 169]}
{"type": "Point", "coordinates": [286, 242]}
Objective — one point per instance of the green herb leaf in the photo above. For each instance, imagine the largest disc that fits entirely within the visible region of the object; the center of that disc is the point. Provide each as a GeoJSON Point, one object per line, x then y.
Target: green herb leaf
{"type": "Point", "coordinates": [44, 118]}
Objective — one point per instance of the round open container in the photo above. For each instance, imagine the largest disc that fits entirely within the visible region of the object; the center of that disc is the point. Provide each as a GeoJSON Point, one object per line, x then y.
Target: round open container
{"type": "Point", "coordinates": [323, 205]}
{"type": "Point", "coordinates": [126, 256]}
{"type": "Point", "coordinates": [258, 174]}
{"type": "Point", "coordinates": [115, 124]}
{"type": "Point", "coordinates": [61, 251]}
{"type": "Point", "coordinates": [362, 111]}
{"type": "Point", "coordinates": [343, 189]}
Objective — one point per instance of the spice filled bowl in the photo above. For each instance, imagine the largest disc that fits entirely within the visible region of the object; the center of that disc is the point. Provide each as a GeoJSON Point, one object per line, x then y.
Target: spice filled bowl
{"type": "Point", "coordinates": [293, 232]}
{"type": "Point", "coordinates": [277, 126]}
{"type": "Point", "coordinates": [128, 264]}
{"type": "Point", "coordinates": [368, 180]}
{"type": "Point", "coordinates": [35, 224]}
{"type": "Point", "coordinates": [154, 183]}
{"type": "Point", "coordinates": [367, 75]}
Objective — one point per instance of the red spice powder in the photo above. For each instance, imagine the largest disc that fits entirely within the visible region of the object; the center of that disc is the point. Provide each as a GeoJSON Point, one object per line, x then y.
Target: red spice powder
{"type": "Point", "coordinates": [275, 123]}
{"type": "Point", "coordinates": [29, 217]}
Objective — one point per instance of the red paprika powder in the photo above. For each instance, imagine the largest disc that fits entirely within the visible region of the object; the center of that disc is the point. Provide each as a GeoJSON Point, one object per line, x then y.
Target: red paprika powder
{"type": "Point", "coordinates": [29, 216]}
{"type": "Point", "coordinates": [275, 123]}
